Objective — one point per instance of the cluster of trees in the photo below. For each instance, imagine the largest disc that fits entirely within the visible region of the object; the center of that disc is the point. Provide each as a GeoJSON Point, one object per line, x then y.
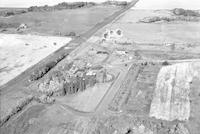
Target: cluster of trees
{"type": "Point", "coordinates": [116, 3]}
{"type": "Point", "coordinates": [11, 13]}
{"type": "Point", "coordinates": [61, 6]}
{"type": "Point", "coordinates": [180, 11]}
{"type": "Point", "coordinates": [9, 25]}
{"type": "Point", "coordinates": [40, 72]}
{"type": "Point", "coordinates": [74, 5]}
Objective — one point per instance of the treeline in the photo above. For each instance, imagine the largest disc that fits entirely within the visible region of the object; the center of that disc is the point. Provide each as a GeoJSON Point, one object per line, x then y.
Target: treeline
{"type": "Point", "coordinates": [74, 5]}
{"type": "Point", "coordinates": [61, 6]}
{"type": "Point", "coordinates": [116, 3]}
{"type": "Point", "coordinates": [183, 12]}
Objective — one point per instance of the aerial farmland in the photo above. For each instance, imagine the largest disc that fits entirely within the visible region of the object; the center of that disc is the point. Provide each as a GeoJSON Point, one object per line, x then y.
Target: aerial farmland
{"type": "Point", "coordinates": [110, 67]}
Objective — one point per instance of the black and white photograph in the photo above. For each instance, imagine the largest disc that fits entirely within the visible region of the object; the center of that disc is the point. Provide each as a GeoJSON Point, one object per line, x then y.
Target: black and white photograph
{"type": "Point", "coordinates": [99, 66]}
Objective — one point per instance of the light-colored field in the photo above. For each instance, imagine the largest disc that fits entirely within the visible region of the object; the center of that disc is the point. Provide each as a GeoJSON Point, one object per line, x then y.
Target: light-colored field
{"type": "Point", "coordinates": [171, 97]}
{"type": "Point", "coordinates": [167, 4]}
{"type": "Point", "coordinates": [88, 100]}
{"type": "Point", "coordinates": [19, 52]}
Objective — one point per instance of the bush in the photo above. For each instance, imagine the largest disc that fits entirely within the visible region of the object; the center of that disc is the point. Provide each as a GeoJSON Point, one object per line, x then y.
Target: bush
{"type": "Point", "coordinates": [50, 65]}
{"type": "Point", "coordinates": [180, 11]}
{"type": "Point", "coordinates": [122, 3]}
{"type": "Point", "coordinates": [23, 11]}
{"type": "Point", "coordinates": [72, 34]}
{"type": "Point", "coordinates": [45, 99]}
{"type": "Point", "coordinates": [116, 3]}
{"type": "Point", "coordinates": [165, 63]}
{"type": "Point", "coordinates": [40, 72]}
{"type": "Point", "coordinates": [9, 13]}
{"type": "Point", "coordinates": [32, 8]}
{"type": "Point", "coordinates": [102, 52]}
{"type": "Point", "coordinates": [3, 30]}
{"type": "Point", "coordinates": [9, 25]}
{"type": "Point", "coordinates": [150, 19]}
{"type": "Point", "coordinates": [156, 19]}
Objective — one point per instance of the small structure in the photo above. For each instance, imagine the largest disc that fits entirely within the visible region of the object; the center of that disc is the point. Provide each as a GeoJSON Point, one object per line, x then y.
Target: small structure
{"type": "Point", "coordinates": [172, 46]}
{"type": "Point", "coordinates": [111, 35]}
{"type": "Point", "coordinates": [22, 26]}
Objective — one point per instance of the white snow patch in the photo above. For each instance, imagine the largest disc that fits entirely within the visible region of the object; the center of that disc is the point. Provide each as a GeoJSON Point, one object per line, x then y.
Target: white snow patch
{"type": "Point", "coordinates": [19, 52]}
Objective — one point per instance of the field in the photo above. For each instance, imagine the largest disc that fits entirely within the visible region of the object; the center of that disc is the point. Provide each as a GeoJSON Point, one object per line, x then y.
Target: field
{"type": "Point", "coordinates": [58, 22]}
{"type": "Point", "coordinates": [162, 32]}
{"type": "Point", "coordinates": [27, 51]}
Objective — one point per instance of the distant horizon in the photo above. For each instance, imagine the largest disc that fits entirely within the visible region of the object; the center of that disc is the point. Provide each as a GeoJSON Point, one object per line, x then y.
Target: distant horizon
{"type": "Point", "coordinates": [167, 4]}
{"type": "Point", "coordinates": [28, 3]}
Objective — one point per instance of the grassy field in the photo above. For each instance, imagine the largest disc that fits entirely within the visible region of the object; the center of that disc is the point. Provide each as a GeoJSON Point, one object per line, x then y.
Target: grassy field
{"type": "Point", "coordinates": [58, 22]}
